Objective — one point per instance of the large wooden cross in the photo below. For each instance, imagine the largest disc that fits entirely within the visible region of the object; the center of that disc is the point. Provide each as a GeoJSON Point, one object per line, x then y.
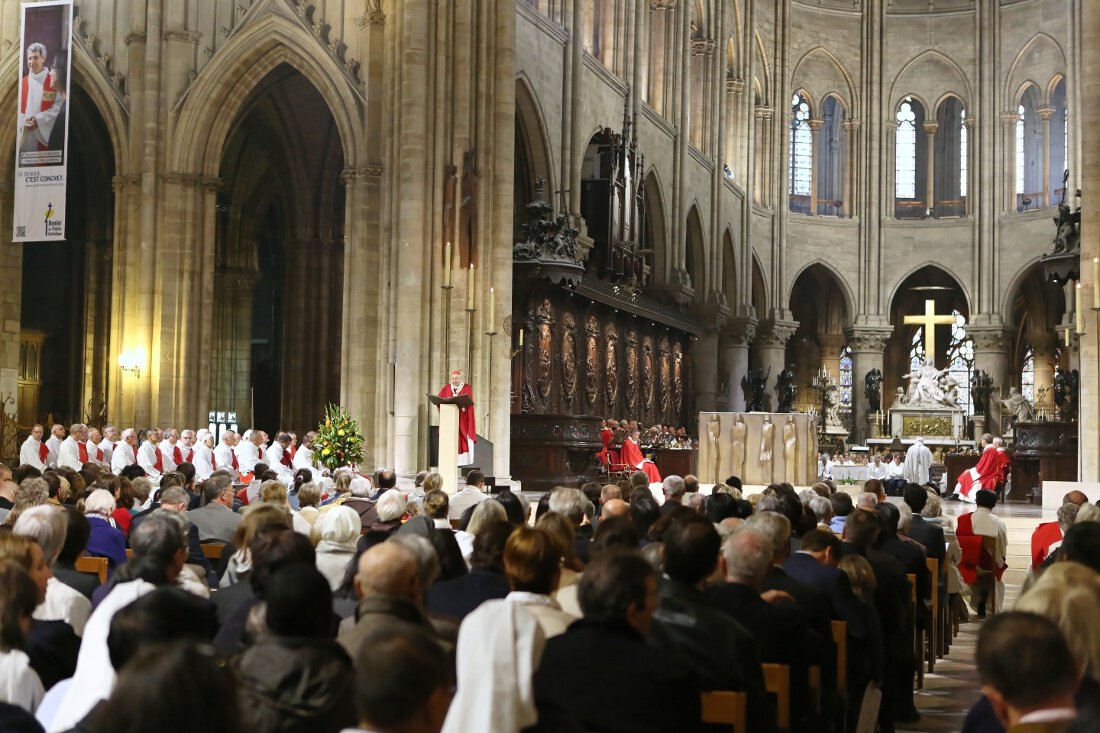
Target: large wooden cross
{"type": "Point", "coordinates": [928, 322]}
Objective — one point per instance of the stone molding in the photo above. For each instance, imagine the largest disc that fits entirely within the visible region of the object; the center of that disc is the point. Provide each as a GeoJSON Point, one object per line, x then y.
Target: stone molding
{"type": "Point", "coordinates": [775, 334]}
{"type": "Point", "coordinates": [988, 339]}
{"type": "Point", "coordinates": [738, 332]}
{"type": "Point", "coordinates": [865, 340]}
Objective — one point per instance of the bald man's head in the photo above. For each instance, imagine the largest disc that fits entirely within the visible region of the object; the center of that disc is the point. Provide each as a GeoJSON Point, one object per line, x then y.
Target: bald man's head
{"type": "Point", "coordinates": [614, 508]}
{"type": "Point", "coordinates": [1075, 497]}
{"type": "Point", "coordinates": [388, 569]}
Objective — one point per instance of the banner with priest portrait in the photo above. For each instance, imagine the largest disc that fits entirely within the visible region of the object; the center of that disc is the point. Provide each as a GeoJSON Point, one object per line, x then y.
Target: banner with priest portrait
{"type": "Point", "coordinates": [42, 132]}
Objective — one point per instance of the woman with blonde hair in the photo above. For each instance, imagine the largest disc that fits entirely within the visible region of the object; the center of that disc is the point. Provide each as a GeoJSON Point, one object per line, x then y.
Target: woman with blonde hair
{"type": "Point", "coordinates": [309, 497]}
{"type": "Point", "coordinates": [239, 566]}
{"type": "Point", "coordinates": [274, 492]}
{"type": "Point", "coordinates": [485, 513]}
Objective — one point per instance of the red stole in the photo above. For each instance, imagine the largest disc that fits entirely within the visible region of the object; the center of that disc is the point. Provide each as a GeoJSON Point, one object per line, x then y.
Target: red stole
{"type": "Point", "coordinates": [159, 465]}
{"type": "Point", "coordinates": [43, 452]}
{"type": "Point", "coordinates": [98, 453]}
{"type": "Point", "coordinates": [134, 449]}
{"type": "Point", "coordinates": [285, 460]}
{"type": "Point", "coordinates": [49, 94]}
{"type": "Point", "coordinates": [214, 460]}
{"type": "Point", "coordinates": [236, 465]}
{"type": "Point", "coordinates": [82, 449]}
{"type": "Point", "coordinates": [176, 455]}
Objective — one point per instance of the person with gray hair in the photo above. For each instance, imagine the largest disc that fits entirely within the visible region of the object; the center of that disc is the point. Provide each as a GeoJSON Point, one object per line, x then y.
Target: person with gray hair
{"type": "Point", "coordinates": [574, 504]}
{"type": "Point", "coordinates": [358, 498]}
{"type": "Point", "coordinates": [160, 551]}
{"type": "Point", "coordinates": [673, 487]}
{"type": "Point", "coordinates": [428, 567]}
{"type": "Point", "coordinates": [822, 509]}
{"type": "Point", "coordinates": [867, 501]}
{"type": "Point", "coordinates": [73, 451]}
{"type": "Point", "coordinates": [47, 526]}
{"type": "Point", "coordinates": [36, 490]}
{"type": "Point", "coordinates": [105, 539]}
{"type": "Point", "coordinates": [215, 519]}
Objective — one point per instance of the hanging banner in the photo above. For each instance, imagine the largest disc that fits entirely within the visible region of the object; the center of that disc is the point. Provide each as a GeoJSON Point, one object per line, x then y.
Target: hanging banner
{"type": "Point", "coordinates": [42, 135]}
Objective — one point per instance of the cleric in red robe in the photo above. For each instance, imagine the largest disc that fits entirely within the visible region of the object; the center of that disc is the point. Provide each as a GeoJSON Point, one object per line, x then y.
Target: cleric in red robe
{"type": "Point", "coordinates": [989, 472]}
{"type": "Point", "coordinates": [467, 432]}
{"type": "Point", "coordinates": [632, 456]}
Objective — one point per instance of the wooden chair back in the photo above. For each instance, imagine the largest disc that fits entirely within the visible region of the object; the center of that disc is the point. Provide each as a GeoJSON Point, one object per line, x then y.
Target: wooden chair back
{"type": "Point", "coordinates": [840, 638]}
{"type": "Point", "coordinates": [918, 635]}
{"type": "Point", "coordinates": [934, 622]}
{"type": "Point", "coordinates": [212, 550]}
{"type": "Point", "coordinates": [777, 679]}
{"type": "Point", "coordinates": [726, 708]}
{"type": "Point", "coordinates": [93, 566]}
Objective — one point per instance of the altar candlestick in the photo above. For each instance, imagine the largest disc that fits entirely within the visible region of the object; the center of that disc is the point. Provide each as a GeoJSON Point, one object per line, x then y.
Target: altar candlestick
{"type": "Point", "coordinates": [1096, 282]}
{"type": "Point", "coordinates": [492, 316]}
{"type": "Point", "coordinates": [470, 288]}
{"type": "Point", "coordinates": [1080, 314]}
{"type": "Point", "coordinates": [447, 266]}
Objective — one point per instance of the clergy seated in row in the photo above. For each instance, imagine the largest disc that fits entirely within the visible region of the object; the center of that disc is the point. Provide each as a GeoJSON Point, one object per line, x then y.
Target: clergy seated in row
{"type": "Point", "coordinates": [1047, 537]}
{"type": "Point", "coordinates": [631, 457]}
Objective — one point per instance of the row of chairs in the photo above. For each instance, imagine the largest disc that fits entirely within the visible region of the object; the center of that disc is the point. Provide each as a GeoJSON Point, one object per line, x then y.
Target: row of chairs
{"type": "Point", "coordinates": [98, 565]}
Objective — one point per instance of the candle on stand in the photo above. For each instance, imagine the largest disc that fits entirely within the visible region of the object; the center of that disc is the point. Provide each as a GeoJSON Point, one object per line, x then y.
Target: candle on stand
{"type": "Point", "coordinates": [447, 266]}
{"type": "Point", "coordinates": [470, 288]}
{"type": "Point", "coordinates": [521, 336]}
{"type": "Point", "coordinates": [1066, 333]}
{"type": "Point", "coordinates": [492, 315]}
{"type": "Point", "coordinates": [1080, 314]}
{"type": "Point", "coordinates": [1096, 282]}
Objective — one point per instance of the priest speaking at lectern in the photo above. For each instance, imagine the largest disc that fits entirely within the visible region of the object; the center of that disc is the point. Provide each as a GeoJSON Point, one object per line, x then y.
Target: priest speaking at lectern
{"type": "Point", "coordinates": [467, 432]}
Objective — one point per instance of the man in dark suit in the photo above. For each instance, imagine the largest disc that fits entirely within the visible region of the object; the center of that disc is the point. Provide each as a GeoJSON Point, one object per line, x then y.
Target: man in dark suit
{"type": "Point", "coordinates": [177, 499]}
{"type": "Point", "coordinates": [457, 597]}
{"type": "Point", "coordinates": [894, 609]}
{"type": "Point", "coordinates": [928, 534]}
{"type": "Point", "coordinates": [815, 564]}
{"type": "Point", "coordinates": [618, 594]}
{"type": "Point", "coordinates": [721, 650]}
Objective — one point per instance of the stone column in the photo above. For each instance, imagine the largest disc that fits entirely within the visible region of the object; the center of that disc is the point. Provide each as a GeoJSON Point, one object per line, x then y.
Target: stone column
{"type": "Point", "coordinates": [930, 195]}
{"type": "Point", "coordinates": [11, 304]}
{"type": "Point", "coordinates": [1008, 159]}
{"type": "Point", "coordinates": [734, 343]}
{"type": "Point", "coordinates": [705, 373]}
{"type": "Point", "coordinates": [1042, 349]}
{"type": "Point", "coordinates": [868, 345]}
{"type": "Point", "coordinates": [851, 129]}
{"type": "Point", "coordinates": [771, 339]}
{"type": "Point", "coordinates": [991, 355]}
{"type": "Point", "coordinates": [815, 157]}
{"type": "Point", "coordinates": [1045, 113]}
{"type": "Point", "coordinates": [232, 366]}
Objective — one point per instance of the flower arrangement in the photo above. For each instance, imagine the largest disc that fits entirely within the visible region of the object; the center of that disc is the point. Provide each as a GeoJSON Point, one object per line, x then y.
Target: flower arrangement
{"type": "Point", "coordinates": [339, 440]}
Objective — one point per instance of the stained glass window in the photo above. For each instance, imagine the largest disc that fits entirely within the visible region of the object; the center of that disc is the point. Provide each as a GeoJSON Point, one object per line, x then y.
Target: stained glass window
{"type": "Point", "coordinates": [1027, 376]}
{"type": "Point", "coordinates": [800, 155]}
{"type": "Point", "coordinates": [905, 155]}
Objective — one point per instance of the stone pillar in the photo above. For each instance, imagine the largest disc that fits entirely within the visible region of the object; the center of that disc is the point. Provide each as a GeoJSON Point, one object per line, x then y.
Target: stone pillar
{"type": "Point", "coordinates": [771, 354]}
{"type": "Point", "coordinates": [704, 359]}
{"type": "Point", "coordinates": [232, 366]}
{"type": "Point", "coordinates": [991, 355]}
{"type": "Point", "coordinates": [851, 129]}
{"type": "Point", "coordinates": [1042, 349]}
{"type": "Point", "coordinates": [11, 303]}
{"type": "Point", "coordinates": [815, 156]}
{"type": "Point", "coordinates": [1008, 159]}
{"type": "Point", "coordinates": [868, 345]}
{"type": "Point", "coordinates": [930, 195]}
{"type": "Point", "coordinates": [1045, 113]}
{"type": "Point", "coordinates": [734, 345]}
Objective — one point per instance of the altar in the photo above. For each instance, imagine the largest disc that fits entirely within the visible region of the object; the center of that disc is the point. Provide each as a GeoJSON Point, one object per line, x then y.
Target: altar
{"type": "Point", "coordinates": [758, 447]}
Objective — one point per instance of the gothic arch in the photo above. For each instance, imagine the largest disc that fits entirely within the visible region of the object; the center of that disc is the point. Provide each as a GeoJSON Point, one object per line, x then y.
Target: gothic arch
{"type": "Point", "coordinates": [1040, 53]}
{"type": "Point", "coordinates": [1052, 86]}
{"type": "Point", "coordinates": [928, 74]}
{"type": "Point", "coordinates": [729, 268]}
{"type": "Point", "coordinates": [695, 252]}
{"type": "Point", "coordinates": [943, 99]}
{"type": "Point", "coordinates": [841, 283]}
{"type": "Point", "coordinates": [898, 282]}
{"type": "Point", "coordinates": [765, 74]}
{"type": "Point", "coordinates": [759, 298]}
{"type": "Point", "coordinates": [532, 123]}
{"type": "Point", "coordinates": [656, 230]}
{"type": "Point", "coordinates": [835, 79]}
{"type": "Point", "coordinates": [1023, 88]}
{"type": "Point", "coordinates": [1016, 285]}
{"type": "Point", "coordinates": [214, 101]}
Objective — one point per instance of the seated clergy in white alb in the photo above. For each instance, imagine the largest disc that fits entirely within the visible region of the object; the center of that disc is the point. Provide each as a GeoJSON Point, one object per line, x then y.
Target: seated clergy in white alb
{"type": "Point", "coordinates": [202, 458]}
{"type": "Point", "coordinates": [107, 445]}
{"type": "Point", "coordinates": [224, 455]}
{"type": "Point", "coordinates": [149, 456]}
{"type": "Point", "coordinates": [73, 451]}
{"type": "Point", "coordinates": [248, 454]}
{"type": "Point", "coordinates": [278, 457]}
{"type": "Point", "coordinates": [125, 453]}
{"type": "Point", "coordinates": [170, 454]}
{"type": "Point", "coordinates": [33, 452]}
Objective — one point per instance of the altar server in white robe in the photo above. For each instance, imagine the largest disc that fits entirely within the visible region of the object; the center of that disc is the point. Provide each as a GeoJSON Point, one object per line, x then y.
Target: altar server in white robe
{"type": "Point", "coordinates": [107, 445]}
{"type": "Point", "coordinates": [224, 455]}
{"type": "Point", "coordinates": [170, 454]}
{"type": "Point", "coordinates": [125, 453]}
{"type": "Point", "coordinates": [202, 457]}
{"type": "Point", "coordinates": [278, 458]}
{"type": "Point", "coordinates": [187, 446]}
{"type": "Point", "coordinates": [248, 454]}
{"type": "Point", "coordinates": [95, 453]}
{"type": "Point", "coordinates": [57, 434]}
{"type": "Point", "coordinates": [918, 463]}
{"type": "Point", "coordinates": [73, 451]}
{"type": "Point", "coordinates": [149, 456]}
{"type": "Point", "coordinates": [33, 452]}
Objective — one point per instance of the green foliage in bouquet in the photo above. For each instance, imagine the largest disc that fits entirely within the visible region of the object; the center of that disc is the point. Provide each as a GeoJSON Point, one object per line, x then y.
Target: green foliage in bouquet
{"type": "Point", "coordinates": [339, 440]}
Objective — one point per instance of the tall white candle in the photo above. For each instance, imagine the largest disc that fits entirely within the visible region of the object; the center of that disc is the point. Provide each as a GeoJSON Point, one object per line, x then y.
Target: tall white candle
{"type": "Point", "coordinates": [470, 288]}
{"type": "Point", "coordinates": [1096, 282]}
{"type": "Point", "coordinates": [1080, 311]}
{"type": "Point", "coordinates": [447, 265]}
{"type": "Point", "coordinates": [492, 309]}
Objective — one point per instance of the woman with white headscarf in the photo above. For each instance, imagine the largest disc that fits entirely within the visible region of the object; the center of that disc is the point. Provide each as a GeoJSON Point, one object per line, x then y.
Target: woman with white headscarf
{"type": "Point", "coordinates": [336, 533]}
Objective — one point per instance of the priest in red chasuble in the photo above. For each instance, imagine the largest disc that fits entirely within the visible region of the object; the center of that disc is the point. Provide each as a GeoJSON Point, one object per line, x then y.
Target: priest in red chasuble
{"type": "Point", "coordinates": [467, 432]}
{"type": "Point", "coordinates": [632, 456]}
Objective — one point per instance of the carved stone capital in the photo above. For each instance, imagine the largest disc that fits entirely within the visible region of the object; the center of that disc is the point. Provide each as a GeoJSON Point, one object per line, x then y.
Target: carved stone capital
{"type": "Point", "coordinates": [738, 332]}
{"type": "Point", "coordinates": [702, 46]}
{"type": "Point", "coordinates": [864, 340]}
{"type": "Point", "coordinates": [764, 113]}
{"type": "Point", "coordinates": [815, 123]}
{"type": "Point", "coordinates": [713, 313]}
{"type": "Point", "coordinates": [735, 85]}
{"type": "Point", "coordinates": [988, 339]}
{"type": "Point", "coordinates": [1045, 113]}
{"type": "Point", "coordinates": [662, 5]}
{"type": "Point", "coordinates": [772, 334]}
{"type": "Point", "coordinates": [180, 34]}
{"type": "Point", "coordinates": [930, 128]}
{"type": "Point", "coordinates": [852, 125]}
{"type": "Point", "coordinates": [1010, 118]}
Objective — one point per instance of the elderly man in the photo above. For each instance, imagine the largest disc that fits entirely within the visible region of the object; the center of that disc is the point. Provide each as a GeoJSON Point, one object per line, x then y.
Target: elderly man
{"type": "Point", "coordinates": [53, 443]}
{"type": "Point", "coordinates": [161, 543]}
{"type": "Point", "coordinates": [170, 451]}
{"type": "Point", "coordinates": [107, 445]}
{"type": "Point", "coordinates": [225, 457]}
{"type": "Point", "coordinates": [34, 452]}
{"type": "Point", "coordinates": [187, 446]}
{"type": "Point", "coordinates": [673, 488]}
{"type": "Point", "coordinates": [574, 504]}
{"type": "Point", "coordinates": [248, 454]}
{"type": "Point", "coordinates": [388, 587]}
{"type": "Point", "coordinates": [278, 457]}
{"type": "Point", "coordinates": [73, 451]}
{"type": "Point", "coordinates": [149, 456]}
{"type": "Point", "coordinates": [125, 452]}
{"type": "Point", "coordinates": [95, 453]}
{"type": "Point", "coordinates": [176, 499]}
{"type": "Point", "coordinates": [215, 520]}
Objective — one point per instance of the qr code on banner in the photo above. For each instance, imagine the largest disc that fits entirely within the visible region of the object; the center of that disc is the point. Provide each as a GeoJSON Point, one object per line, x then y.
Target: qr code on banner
{"type": "Point", "coordinates": [21, 231]}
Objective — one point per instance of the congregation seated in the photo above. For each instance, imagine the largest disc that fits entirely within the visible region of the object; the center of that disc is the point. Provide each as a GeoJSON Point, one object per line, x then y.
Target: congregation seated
{"type": "Point", "coordinates": [458, 597]}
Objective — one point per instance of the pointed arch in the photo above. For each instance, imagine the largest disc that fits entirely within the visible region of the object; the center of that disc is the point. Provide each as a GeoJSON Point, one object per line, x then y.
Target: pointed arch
{"type": "Point", "coordinates": [830, 271]}
{"type": "Point", "coordinates": [938, 270]}
{"type": "Point", "coordinates": [829, 74]}
{"type": "Point", "coordinates": [926, 74]}
{"type": "Point", "coordinates": [695, 253]}
{"type": "Point", "coordinates": [656, 228]}
{"type": "Point", "coordinates": [529, 114]}
{"type": "Point", "coordinates": [1041, 51]}
{"type": "Point", "coordinates": [216, 98]}
{"type": "Point", "coordinates": [729, 268]}
{"type": "Point", "coordinates": [760, 296]}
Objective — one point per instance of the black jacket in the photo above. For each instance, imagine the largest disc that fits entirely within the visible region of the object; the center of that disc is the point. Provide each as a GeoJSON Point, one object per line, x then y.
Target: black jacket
{"type": "Point", "coordinates": [577, 668]}
{"type": "Point", "coordinates": [461, 595]}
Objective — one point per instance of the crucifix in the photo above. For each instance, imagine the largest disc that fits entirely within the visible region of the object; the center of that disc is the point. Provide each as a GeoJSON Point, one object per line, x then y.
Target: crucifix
{"type": "Point", "coordinates": [928, 322]}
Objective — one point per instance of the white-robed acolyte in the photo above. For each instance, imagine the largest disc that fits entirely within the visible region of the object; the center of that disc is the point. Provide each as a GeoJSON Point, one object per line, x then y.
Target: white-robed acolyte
{"type": "Point", "coordinates": [223, 457]}
{"type": "Point", "coordinates": [108, 448]}
{"type": "Point", "coordinates": [918, 463]}
{"type": "Point", "coordinates": [168, 462]}
{"type": "Point", "coordinates": [95, 677]}
{"type": "Point", "coordinates": [275, 453]}
{"type": "Point", "coordinates": [202, 457]}
{"type": "Point", "coordinates": [68, 454]}
{"type": "Point", "coordinates": [303, 458]}
{"type": "Point", "coordinates": [984, 522]}
{"type": "Point", "coordinates": [93, 451]}
{"type": "Point", "coordinates": [30, 453]}
{"type": "Point", "coordinates": [123, 456]}
{"type": "Point", "coordinates": [147, 459]}
{"type": "Point", "coordinates": [247, 456]}
{"type": "Point", "coordinates": [500, 645]}
{"type": "Point", "coordinates": [52, 444]}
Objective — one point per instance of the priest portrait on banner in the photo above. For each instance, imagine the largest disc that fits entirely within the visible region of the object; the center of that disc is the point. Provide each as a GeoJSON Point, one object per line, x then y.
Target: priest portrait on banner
{"type": "Point", "coordinates": [467, 431]}
{"type": "Point", "coordinates": [40, 102]}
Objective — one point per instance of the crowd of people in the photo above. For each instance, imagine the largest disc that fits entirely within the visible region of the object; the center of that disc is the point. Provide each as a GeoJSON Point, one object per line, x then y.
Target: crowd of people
{"type": "Point", "coordinates": [361, 606]}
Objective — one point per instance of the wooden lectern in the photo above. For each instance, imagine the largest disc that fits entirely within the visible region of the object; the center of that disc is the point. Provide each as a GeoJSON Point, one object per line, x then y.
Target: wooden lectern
{"type": "Point", "coordinates": [448, 437]}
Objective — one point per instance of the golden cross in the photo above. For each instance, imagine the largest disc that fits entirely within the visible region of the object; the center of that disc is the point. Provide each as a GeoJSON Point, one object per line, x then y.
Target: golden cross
{"type": "Point", "coordinates": [928, 322]}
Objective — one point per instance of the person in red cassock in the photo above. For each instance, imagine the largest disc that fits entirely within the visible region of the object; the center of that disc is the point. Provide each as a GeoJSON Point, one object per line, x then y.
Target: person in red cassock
{"type": "Point", "coordinates": [632, 456]}
{"type": "Point", "coordinates": [467, 431]}
{"type": "Point", "coordinates": [989, 472]}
